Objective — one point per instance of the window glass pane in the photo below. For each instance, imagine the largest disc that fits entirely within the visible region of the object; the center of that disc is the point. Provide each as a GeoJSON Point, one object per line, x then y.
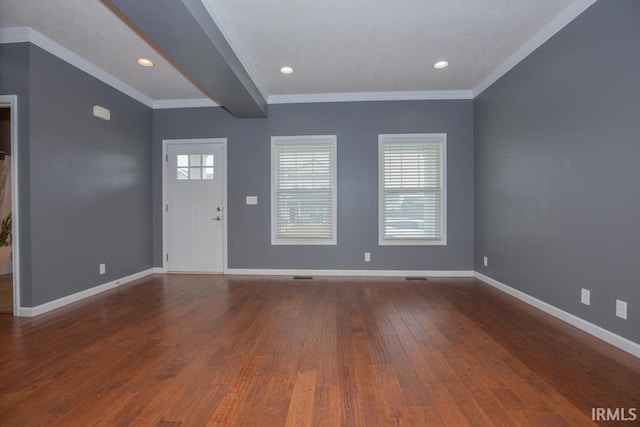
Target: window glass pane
{"type": "Point", "coordinates": [304, 190]}
{"type": "Point", "coordinates": [195, 173]}
{"type": "Point", "coordinates": [194, 160]}
{"type": "Point", "coordinates": [183, 173]}
{"type": "Point", "coordinates": [207, 173]}
{"type": "Point", "coordinates": [412, 189]}
{"type": "Point", "coordinates": [183, 160]}
{"type": "Point", "coordinates": [208, 159]}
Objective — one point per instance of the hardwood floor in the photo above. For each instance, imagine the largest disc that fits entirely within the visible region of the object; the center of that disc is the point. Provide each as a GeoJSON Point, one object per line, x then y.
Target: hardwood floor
{"type": "Point", "coordinates": [6, 293]}
{"type": "Point", "coordinates": [185, 350]}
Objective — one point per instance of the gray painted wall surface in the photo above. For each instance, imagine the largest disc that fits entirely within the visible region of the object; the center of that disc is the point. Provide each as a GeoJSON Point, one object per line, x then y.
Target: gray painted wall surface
{"type": "Point", "coordinates": [14, 80]}
{"type": "Point", "coordinates": [90, 180]}
{"type": "Point", "coordinates": [557, 177]}
{"type": "Point", "coordinates": [357, 126]}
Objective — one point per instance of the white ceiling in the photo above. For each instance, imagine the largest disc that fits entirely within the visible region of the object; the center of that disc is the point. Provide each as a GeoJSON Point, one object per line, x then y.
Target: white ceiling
{"type": "Point", "coordinates": [334, 46]}
{"type": "Point", "coordinates": [92, 31]}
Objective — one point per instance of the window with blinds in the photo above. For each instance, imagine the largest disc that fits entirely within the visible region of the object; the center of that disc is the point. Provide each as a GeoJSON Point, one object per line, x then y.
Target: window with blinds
{"type": "Point", "coordinates": [303, 190]}
{"type": "Point", "coordinates": [412, 189]}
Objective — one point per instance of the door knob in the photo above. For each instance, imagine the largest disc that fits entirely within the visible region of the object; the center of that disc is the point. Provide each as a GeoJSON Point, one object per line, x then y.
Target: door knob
{"type": "Point", "coordinates": [219, 209]}
{"type": "Point", "coordinates": [217, 218]}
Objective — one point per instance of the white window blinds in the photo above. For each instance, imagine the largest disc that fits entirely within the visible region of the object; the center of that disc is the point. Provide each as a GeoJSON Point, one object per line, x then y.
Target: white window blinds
{"type": "Point", "coordinates": [303, 190]}
{"type": "Point", "coordinates": [412, 189]}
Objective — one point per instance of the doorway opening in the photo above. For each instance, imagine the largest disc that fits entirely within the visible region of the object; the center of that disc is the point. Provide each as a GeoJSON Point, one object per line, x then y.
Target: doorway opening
{"type": "Point", "coordinates": [9, 283]}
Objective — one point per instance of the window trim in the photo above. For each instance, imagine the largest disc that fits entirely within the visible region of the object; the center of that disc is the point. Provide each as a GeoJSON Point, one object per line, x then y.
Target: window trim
{"type": "Point", "coordinates": [301, 139]}
{"type": "Point", "coordinates": [390, 138]}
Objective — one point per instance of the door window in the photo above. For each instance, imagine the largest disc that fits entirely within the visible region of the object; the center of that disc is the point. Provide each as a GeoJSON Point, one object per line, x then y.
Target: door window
{"type": "Point", "coordinates": [195, 167]}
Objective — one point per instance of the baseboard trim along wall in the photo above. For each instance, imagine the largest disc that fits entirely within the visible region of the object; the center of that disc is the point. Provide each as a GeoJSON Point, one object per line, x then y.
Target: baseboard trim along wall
{"type": "Point", "coordinates": [61, 302]}
{"type": "Point", "coordinates": [588, 327]}
{"type": "Point", "coordinates": [355, 273]}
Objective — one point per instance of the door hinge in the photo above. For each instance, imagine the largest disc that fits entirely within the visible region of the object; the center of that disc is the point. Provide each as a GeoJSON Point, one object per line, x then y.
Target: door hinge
{"type": "Point", "coordinates": [166, 207]}
{"type": "Point", "coordinates": [166, 157]}
{"type": "Point", "coordinates": [167, 257]}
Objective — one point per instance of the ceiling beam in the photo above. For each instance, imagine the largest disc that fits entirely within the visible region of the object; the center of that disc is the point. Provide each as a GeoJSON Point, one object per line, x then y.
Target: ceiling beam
{"type": "Point", "coordinates": [184, 32]}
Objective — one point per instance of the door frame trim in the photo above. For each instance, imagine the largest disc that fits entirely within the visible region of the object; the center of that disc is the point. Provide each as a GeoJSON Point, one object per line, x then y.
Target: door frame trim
{"type": "Point", "coordinates": [165, 145]}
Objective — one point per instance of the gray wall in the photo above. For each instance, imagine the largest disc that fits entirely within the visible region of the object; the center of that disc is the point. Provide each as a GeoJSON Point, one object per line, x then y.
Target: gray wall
{"type": "Point", "coordinates": [90, 180]}
{"type": "Point", "coordinates": [14, 80]}
{"type": "Point", "coordinates": [557, 179]}
{"type": "Point", "coordinates": [357, 126]}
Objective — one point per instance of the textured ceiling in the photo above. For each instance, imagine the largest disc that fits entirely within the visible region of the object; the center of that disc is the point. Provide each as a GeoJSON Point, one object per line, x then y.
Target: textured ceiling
{"type": "Point", "coordinates": [380, 45]}
{"type": "Point", "coordinates": [92, 31]}
{"type": "Point", "coordinates": [334, 45]}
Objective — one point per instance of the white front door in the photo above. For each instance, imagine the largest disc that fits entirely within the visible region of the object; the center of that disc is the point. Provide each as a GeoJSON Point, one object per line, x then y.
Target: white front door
{"type": "Point", "coordinates": [195, 210]}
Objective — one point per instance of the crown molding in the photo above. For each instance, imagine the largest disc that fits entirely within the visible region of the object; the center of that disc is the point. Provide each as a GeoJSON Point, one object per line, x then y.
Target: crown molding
{"type": "Point", "coordinates": [183, 103]}
{"type": "Point", "coordinates": [14, 35]}
{"type": "Point", "coordinates": [325, 97]}
{"type": "Point", "coordinates": [556, 24]}
{"type": "Point", "coordinates": [26, 34]}
{"type": "Point", "coordinates": [371, 96]}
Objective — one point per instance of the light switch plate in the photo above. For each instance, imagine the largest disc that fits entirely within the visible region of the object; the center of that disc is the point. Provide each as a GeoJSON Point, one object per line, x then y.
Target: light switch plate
{"type": "Point", "coordinates": [621, 309]}
{"type": "Point", "coordinates": [585, 296]}
{"type": "Point", "coordinates": [252, 200]}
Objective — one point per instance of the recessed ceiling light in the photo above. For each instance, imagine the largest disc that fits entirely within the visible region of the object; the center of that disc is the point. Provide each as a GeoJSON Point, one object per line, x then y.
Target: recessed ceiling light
{"type": "Point", "coordinates": [441, 64]}
{"type": "Point", "coordinates": [145, 62]}
{"type": "Point", "coordinates": [286, 70]}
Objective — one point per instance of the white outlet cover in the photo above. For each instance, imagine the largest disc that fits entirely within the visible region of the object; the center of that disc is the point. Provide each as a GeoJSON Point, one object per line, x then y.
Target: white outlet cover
{"type": "Point", "coordinates": [486, 261]}
{"type": "Point", "coordinates": [101, 113]}
{"type": "Point", "coordinates": [621, 309]}
{"type": "Point", "coordinates": [252, 200]}
{"type": "Point", "coordinates": [585, 296]}
{"type": "Point", "coordinates": [103, 268]}
{"type": "Point", "coordinates": [367, 257]}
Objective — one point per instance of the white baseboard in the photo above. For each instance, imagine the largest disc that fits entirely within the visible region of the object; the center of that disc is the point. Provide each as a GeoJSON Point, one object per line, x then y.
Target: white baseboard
{"type": "Point", "coordinates": [588, 327]}
{"type": "Point", "coordinates": [159, 270]}
{"type": "Point", "coordinates": [61, 302]}
{"type": "Point", "coordinates": [355, 273]}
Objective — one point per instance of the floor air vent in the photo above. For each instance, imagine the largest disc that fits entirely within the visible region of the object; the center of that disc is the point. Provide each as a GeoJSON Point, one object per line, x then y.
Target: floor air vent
{"type": "Point", "coordinates": [302, 277]}
{"type": "Point", "coordinates": [416, 278]}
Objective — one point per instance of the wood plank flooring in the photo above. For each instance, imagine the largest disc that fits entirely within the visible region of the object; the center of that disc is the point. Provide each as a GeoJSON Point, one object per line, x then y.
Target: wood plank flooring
{"type": "Point", "coordinates": [191, 350]}
{"type": "Point", "coordinates": [6, 293]}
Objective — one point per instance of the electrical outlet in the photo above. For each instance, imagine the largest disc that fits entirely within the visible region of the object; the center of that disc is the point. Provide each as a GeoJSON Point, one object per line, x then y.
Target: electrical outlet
{"type": "Point", "coordinates": [585, 296]}
{"type": "Point", "coordinates": [367, 257]}
{"type": "Point", "coordinates": [621, 309]}
{"type": "Point", "coordinates": [486, 261]}
{"type": "Point", "coordinates": [103, 268]}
